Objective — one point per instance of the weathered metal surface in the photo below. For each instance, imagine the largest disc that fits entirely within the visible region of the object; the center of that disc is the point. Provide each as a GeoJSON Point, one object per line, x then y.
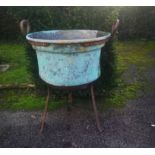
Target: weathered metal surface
{"type": "Point", "coordinates": [68, 57]}
{"type": "Point", "coordinates": [67, 36]}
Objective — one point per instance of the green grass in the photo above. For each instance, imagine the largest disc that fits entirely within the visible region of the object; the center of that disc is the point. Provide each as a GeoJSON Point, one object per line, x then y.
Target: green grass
{"type": "Point", "coordinates": [135, 52]}
{"type": "Point", "coordinates": [27, 100]}
{"type": "Point", "coordinates": [14, 54]}
{"type": "Point", "coordinates": [122, 94]}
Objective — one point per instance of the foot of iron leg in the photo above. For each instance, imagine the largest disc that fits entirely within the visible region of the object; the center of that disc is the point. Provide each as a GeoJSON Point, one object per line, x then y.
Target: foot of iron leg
{"type": "Point", "coordinates": [45, 112]}
{"type": "Point", "coordinates": [95, 108]}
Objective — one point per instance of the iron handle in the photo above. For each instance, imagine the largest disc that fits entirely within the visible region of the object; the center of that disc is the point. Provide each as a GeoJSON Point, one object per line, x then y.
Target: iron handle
{"type": "Point", "coordinates": [24, 26]}
{"type": "Point", "coordinates": [115, 26]}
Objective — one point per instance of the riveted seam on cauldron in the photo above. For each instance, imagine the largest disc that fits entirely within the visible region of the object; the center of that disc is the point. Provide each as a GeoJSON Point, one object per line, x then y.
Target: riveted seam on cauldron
{"type": "Point", "coordinates": [35, 43]}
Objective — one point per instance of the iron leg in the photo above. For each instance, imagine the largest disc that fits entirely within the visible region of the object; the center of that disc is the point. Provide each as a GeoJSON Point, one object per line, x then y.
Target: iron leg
{"type": "Point", "coordinates": [45, 111]}
{"type": "Point", "coordinates": [69, 109]}
{"type": "Point", "coordinates": [70, 98]}
{"type": "Point", "coordinates": [95, 108]}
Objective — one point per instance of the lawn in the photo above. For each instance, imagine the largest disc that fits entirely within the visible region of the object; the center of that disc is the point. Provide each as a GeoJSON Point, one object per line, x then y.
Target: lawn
{"type": "Point", "coordinates": [130, 54]}
{"type": "Point", "coordinates": [14, 54]}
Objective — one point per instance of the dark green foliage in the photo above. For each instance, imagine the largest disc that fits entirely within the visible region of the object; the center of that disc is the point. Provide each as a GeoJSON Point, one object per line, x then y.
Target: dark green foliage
{"type": "Point", "coordinates": [137, 22]}
{"type": "Point", "coordinates": [8, 25]}
{"type": "Point", "coordinates": [44, 18]}
{"type": "Point", "coordinates": [108, 69]}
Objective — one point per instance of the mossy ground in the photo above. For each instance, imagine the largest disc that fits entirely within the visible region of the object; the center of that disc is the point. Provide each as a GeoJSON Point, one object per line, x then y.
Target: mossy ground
{"type": "Point", "coordinates": [131, 53]}
{"type": "Point", "coordinates": [137, 53]}
{"type": "Point", "coordinates": [26, 100]}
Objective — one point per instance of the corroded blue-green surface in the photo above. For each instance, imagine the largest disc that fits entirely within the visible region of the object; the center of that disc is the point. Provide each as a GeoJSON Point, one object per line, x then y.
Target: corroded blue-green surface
{"type": "Point", "coordinates": [69, 69]}
{"type": "Point", "coordinates": [66, 61]}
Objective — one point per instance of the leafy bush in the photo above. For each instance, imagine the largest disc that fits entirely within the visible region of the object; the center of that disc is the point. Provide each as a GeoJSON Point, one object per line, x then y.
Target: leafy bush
{"type": "Point", "coordinates": [137, 22]}
{"type": "Point", "coordinates": [44, 18]}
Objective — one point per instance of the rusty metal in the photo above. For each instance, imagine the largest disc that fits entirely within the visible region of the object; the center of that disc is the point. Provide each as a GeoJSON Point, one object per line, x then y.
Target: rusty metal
{"type": "Point", "coordinates": [24, 26]}
{"type": "Point", "coordinates": [70, 88]}
{"type": "Point", "coordinates": [69, 109]}
{"type": "Point", "coordinates": [115, 28]}
{"type": "Point", "coordinates": [94, 43]}
{"type": "Point", "coordinates": [34, 43]}
{"type": "Point", "coordinates": [70, 100]}
{"type": "Point", "coordinates": [45, 111]}
{"type": "Point", "coordinates": [95, 108]}
{"type": "Point", "coordinates": [45, 44]}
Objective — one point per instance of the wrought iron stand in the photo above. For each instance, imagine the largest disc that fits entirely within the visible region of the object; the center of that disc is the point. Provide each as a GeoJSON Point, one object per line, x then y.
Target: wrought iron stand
{"type": "Point", "coordinates": [91, 87]}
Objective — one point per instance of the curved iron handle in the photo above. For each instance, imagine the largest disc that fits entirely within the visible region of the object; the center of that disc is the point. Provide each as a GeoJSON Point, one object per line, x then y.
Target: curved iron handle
{"type": "Point", "coordinates": [24, 26]}
{"type": "Point", "coordinates": [114, 28]}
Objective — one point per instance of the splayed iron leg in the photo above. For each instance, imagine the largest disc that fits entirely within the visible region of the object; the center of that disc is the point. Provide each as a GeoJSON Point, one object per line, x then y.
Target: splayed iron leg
{"type": "Point", "coordinates": [45, 111]}
{"type": "Point", "coordinates": [70, 100]}
{"type": "Point", "coordinates": [95, 108]}
{"type": "Point", "coordinates": [69, 109]}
